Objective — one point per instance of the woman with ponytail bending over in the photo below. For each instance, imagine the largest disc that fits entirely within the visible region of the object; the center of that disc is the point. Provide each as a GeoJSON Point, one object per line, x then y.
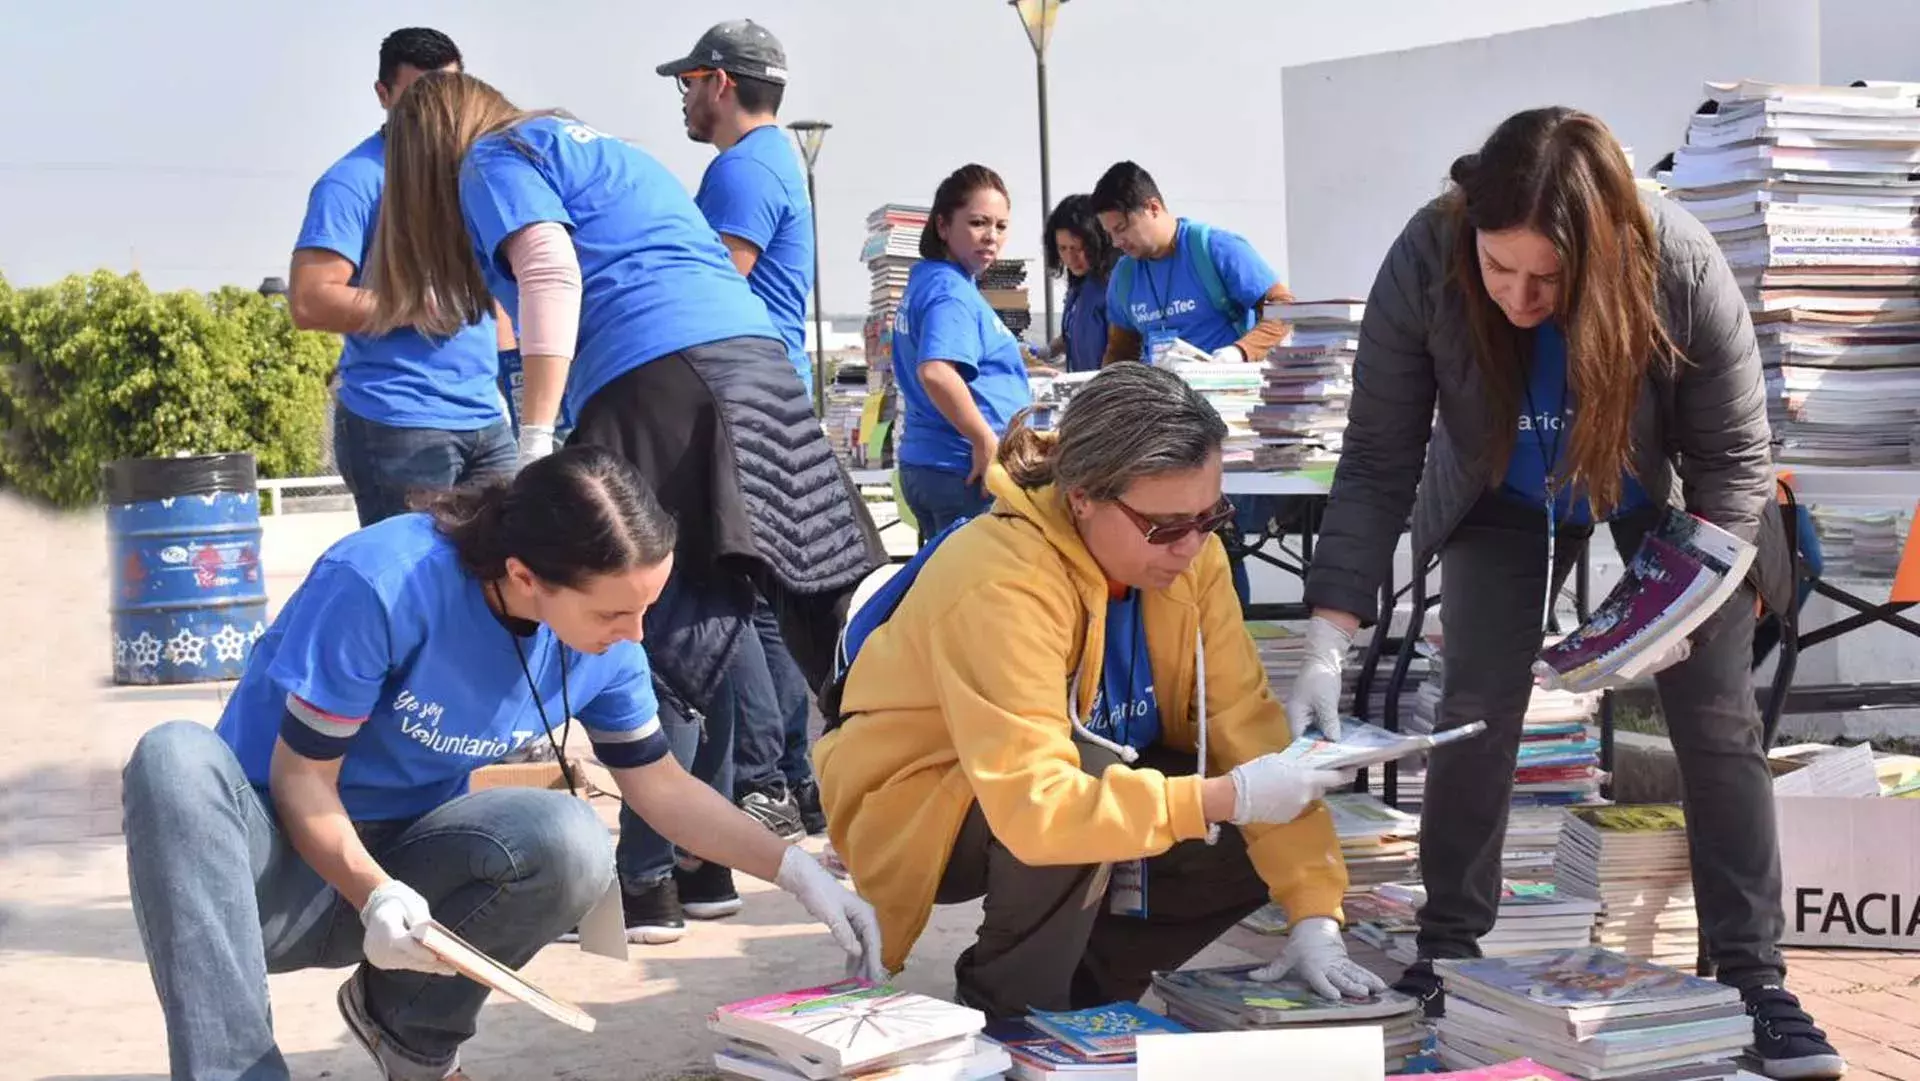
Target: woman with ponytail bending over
{"type": "Point", "coordinates": [1591, 360]}
{"type": "Point", "coordinates": [1060, 710]}
{"type": "Point", "coordinates": [328, 816]}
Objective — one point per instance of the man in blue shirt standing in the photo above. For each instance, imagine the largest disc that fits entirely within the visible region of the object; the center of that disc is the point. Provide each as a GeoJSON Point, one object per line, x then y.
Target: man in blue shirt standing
{"type": "Point", "coordinates": [755, 197]}
{"type": "Point", "coordinates": [413, 413]}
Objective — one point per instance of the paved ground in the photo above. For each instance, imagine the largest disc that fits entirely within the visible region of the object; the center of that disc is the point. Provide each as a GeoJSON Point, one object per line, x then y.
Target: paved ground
{"type": "Point", "coordinates": [80, 1005]}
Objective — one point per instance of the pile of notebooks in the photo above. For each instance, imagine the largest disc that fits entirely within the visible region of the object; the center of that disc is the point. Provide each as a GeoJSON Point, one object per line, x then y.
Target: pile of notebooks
{"type": "Point", "coordinates": [1095, 1044]}
{"type": "Point", "coordinates": [891, 249]}
{"type": "Point", "coordinates": [1308, 383]}
{"type": "Point", "coordinates": [1633, 860]}
{"type": "Point", "coordinates": [1234, 392]}
{"type": "Point", "coordinates": [1861, 542]}
{"type": "Point", "coordinates": [1532, 916]}
{"type": "Point", "coordinates": [854, 1028]}
{"type": "Point", "coordinates": [1379, 844]}
{"type": "Point", "coordinates": [1227, 999]}
{"type": "Point", "coordinates": [1813, 193]}
{"type": "Point", "coordinates": [1005, 287]}
{"type": "Point", "coordinates": [846, 400]}
{"type": "Point", "coordinates": [1591, 1013]}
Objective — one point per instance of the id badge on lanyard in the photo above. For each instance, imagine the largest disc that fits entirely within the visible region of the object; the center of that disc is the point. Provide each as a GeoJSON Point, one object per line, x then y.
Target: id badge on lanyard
{"type": "Point", "coordinates": [1127, 890]}
{"type": "Point", "coordinates": [1553, 535]}
{"type": "Point", "coordinates": [1158, 341]}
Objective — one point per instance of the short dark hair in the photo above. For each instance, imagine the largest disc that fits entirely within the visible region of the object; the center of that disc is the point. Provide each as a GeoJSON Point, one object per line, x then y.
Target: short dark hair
{"type": "Point", "coordinates": [418, 47]}
{"type": "Point", "coordinates": [1075, 215]}
{"type": "Point", "coordinates": [948, 198]}
{"type": "Point", "coordinates": [1123, 189]}
{"type": "Point", "coordinates": [758, 96]}
{"type": "Point", "coordinates": [578, 513]}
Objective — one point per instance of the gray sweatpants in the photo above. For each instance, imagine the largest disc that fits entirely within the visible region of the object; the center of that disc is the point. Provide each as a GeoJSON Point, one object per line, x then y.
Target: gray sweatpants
{"type": "Point", "coordinates": [1493, 572]}
{"type": "Point", "coordinates": [1047, 940]}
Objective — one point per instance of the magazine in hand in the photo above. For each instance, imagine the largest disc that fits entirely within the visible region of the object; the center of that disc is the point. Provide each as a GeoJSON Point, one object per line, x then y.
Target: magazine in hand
{"type": "Point", "coordinates": [1685, 570]}
{"type": "Point", "coordinates": [484, 970]}
{"type": "Point", "coordinates": [1361, 745]}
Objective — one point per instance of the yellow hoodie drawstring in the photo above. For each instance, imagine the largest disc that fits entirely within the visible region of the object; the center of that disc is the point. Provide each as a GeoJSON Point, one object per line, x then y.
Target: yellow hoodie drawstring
{"type": "Point", "coordinates": [1127, 754]}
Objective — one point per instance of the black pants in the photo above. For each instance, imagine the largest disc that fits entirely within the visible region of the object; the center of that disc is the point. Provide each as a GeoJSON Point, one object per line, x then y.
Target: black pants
{"type": "Point", "coordinates": [1047, 940]}
{"type": "Point", "coordinates": [1493, 571]}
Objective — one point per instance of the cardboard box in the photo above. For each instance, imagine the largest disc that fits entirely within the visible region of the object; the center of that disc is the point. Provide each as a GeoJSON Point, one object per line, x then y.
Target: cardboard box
{"type": "Point", "coordinates": [1850, 871]}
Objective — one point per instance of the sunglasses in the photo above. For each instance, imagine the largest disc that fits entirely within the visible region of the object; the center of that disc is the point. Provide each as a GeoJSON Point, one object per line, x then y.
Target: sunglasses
{"type": "Point", "coordinates": [686, 80]}
{"type": "Point", "coordinates": [1170, 532]}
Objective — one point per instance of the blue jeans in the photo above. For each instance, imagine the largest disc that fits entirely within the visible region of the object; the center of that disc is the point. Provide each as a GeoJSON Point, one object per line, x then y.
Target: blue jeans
{"type": "Point", "coordinates": [937, 498]}
{"type": "Point", "coordinates": [770, 730]}
{"type": "Point", "coordinates": [704, 748]}
{"type": "Point", "coordinates": [222, 899]}
{"type": "Point", "coordinates": [383, 464]}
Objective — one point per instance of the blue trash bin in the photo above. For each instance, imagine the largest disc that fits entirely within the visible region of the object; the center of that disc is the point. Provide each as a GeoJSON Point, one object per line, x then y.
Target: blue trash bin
{"type": "Point", "coordinates": [189, 595]}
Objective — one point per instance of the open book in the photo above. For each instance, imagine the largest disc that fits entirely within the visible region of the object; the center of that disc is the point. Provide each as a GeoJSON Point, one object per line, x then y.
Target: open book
{"type": "Point", "coordinates": [1685, 570]}
{"type": "Point", "coordinates": [1361, 745]}
{"type": "Point", "coordinates": [484, 970]}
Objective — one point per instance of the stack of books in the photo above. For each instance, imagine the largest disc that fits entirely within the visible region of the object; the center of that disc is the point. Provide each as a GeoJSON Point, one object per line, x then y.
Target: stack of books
{"type": "Point", "coordinates": [891, 249]}
{"type": "Point", "coordinates": [1308, 385]}
{"type": "Point", "coordinates": [1559, 759]}
{"type": "Point", "coordinates": [1520, 1069]}
{"type": "Point", "coordinates": [1228, 999]}
{"type": "Point", "coordinates": [1095, 1043]}
{"type": "Point", "coordinates": [1533, 916]}
{"type": "Point", "coordinates": [1591, 1013]}
{"type": "Point", "coordinates": [1813, 193]}
{"type": "Point", "coordinates": [1282, 646]}
{"type": "Point", "coordinates": [854, 1028]}
{"type": "Point", "coordinates": [1234, 392]}
{"type": "Point", "coordinates": [1633, 860]}
{"type": "Point", "coordinates": [1860, 542]}
{"type": "Point", "coordinates": [1379, 844]}
{"type": "Point", "coordinates": [846, 399]}
{"type": "Point", "coordinates": [1005, 287]}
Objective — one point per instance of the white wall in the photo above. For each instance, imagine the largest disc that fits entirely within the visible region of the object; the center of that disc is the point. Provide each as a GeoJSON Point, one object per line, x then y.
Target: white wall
{"type": "Point", "coordinates": [1870, 39]}
{"type": "Point", "coordinates": [1369, 139]}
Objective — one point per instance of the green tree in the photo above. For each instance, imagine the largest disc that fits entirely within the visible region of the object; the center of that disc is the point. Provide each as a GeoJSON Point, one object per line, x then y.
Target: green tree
{"type": "Point", "coordinates": [100, 367]}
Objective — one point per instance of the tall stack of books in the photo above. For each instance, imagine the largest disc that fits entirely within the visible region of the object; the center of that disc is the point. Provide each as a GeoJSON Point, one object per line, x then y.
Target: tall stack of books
{"type": "Point", "coordinates": [1005, 287]}
{"type": "Point", "coordinates": [846, 397]}
{"type": "Point", "coordinates": [891, 249]}
{"type": "Point", "coordinates": [1633, 860]}
{"type": "Point", "coordinates": [1228, 999]}
{"type": "Point", "coordinates": [1308, 384]}
{"type": "Point", "coordinates": [1813, 193]}
{"type": "Point", "coordinates": [854, 1028]}
{"type": "Point", "coordinates": [1591, 1013]}
{"type": "Point", "coordinates": [1234, 392]}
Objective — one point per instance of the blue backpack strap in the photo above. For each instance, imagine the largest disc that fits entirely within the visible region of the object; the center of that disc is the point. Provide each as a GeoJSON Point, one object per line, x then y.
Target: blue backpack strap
{"type": "Point", "coordinates": [1200, 254]}
{"type": "Point", "coordinates": [869, 617]}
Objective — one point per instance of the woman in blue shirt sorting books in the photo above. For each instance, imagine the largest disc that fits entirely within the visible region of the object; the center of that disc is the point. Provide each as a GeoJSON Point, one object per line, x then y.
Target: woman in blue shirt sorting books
{"type": "Point", "coordinates": [327, 818]}
{"type": "Point", "coordinates": [959, 368]}
{"type": "Point", "coordinates": [1078, 247]}
{"type": "Point", "coordinates": [1591, 360]}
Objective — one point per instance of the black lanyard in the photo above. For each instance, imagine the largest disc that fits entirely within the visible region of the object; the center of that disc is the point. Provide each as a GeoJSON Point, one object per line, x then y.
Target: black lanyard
{"type": "Point", "coordinates": [566, 702]}
{"type": "Point", "coordinates": [1550, 461]}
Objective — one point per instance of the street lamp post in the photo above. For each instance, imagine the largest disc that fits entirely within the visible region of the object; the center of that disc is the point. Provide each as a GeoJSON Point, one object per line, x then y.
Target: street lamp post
{"type": "Point", "coordinates": [810, 134]}
{"type": "Point", "coordinates": [1037, 17]}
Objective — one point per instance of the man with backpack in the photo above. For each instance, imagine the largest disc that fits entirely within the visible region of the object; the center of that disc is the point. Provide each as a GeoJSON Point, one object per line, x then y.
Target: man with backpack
{"type": "Point", "coordinates": [1181, 279]}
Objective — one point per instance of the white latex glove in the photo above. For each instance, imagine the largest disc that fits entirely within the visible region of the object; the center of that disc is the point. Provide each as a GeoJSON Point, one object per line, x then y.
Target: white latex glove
{"type": "Point", "coordinates": [536, 441]}
{"type": "Point", "coordinates": [1316, 955]}
{"type": "Point", "coordinates": [1314, 699]}
{"type": "Point", "coordinates": [1271, 789]}
{"type": "Point", "coordinates": [848, 918]}
{"type": "Point", "coordinates": [391, 913]}
{"type": "Point", "coordinates": [1229, 354]}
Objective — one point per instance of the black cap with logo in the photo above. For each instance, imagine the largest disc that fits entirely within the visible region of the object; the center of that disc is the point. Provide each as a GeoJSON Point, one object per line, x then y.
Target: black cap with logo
{"type": "Point", "coordinates": [741, 47]}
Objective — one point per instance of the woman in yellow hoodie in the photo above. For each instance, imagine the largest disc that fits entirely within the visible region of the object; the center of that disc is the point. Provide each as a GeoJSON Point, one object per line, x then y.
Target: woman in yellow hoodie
{"type": "Point", "coordinates": [1027, 723]}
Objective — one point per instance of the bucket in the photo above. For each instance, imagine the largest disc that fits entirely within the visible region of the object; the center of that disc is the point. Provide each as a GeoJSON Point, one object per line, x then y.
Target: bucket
{"type": "Point", "coordinates": [189, 597]}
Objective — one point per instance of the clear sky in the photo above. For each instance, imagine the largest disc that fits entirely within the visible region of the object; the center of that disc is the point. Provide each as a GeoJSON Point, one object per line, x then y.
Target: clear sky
{"type": "Point", "coordinates": [182, 137]}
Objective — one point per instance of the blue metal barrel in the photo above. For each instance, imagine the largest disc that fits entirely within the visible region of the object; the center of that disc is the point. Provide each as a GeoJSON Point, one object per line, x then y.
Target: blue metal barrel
{"type": "Point", "coordinates": [189, 595]}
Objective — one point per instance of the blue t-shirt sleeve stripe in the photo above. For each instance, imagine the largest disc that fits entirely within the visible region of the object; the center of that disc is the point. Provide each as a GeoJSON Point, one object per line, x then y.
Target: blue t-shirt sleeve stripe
{"type": "Point", "coordinates": [299, 733]}
{"type": "Point", "coordinates": [741, 198]}
{"type": "Point", "coordinates": [1246, 275]}
{"type": "Point", "coordinates": [338, 220]}
{"type": "Point", "coordinates": [949, 331]}
{"type": "Point", "coordinates": [335, 646]}
{"type": "Point", "coordinates": [626, 748]}
{"type": "Point", "coordinates": [503, 192]}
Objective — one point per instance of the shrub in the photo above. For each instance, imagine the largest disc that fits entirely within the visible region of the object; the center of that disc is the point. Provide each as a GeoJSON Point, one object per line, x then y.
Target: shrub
{"type": "Point", "coordinates": [99, 367]}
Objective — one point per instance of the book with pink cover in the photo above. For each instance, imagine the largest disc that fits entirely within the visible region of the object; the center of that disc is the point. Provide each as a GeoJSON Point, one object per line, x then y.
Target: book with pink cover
{"type": "Point", "coordinates": [842, 1027]}
{"type": "Point", "coordinates": [1520, 1070]}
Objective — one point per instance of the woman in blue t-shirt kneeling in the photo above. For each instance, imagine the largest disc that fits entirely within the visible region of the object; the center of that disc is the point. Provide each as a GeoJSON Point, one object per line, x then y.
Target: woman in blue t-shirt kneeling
{"type": "Point", "coordinates": [959, 368]}
{"type": "Point", "coordinates": [328, 817]}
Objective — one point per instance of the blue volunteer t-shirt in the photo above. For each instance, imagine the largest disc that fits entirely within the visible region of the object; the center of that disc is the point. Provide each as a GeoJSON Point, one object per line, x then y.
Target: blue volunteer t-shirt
{"type": "Point", "coordinates": [655, 278]}
{"type": "Point", "coordinates": [402, 379]}
{"type": "Point", "coordinates": [389, 656]}
{"type": "Point", "coordinates": [1169, 301]}
{"type": "Point", "coordinates": [1546, 433]}
{"type": "Point", "coordinates": [755, 191]}
{"type": "Point", "coordinates": [1125, 710]}
{"type": "Point", "coordinates": [944, 317]}
{"type": "Point", "coordinates": [1084, 324]}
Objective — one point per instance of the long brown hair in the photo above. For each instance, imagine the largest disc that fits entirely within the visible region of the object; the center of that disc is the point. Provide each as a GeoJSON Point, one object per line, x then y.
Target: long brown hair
{"type": "Point", "coordinates": [422, 268]}
{"type": "Point", "coordinates": [1561, 173]}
